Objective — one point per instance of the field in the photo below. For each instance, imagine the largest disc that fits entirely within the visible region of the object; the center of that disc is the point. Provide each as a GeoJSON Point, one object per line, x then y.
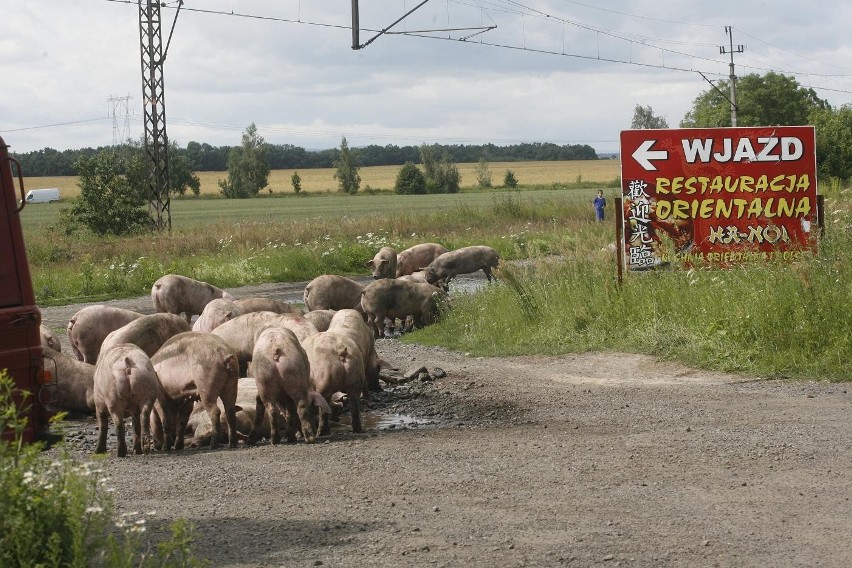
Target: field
{"type": "Point", "coordinates": [383, 177]}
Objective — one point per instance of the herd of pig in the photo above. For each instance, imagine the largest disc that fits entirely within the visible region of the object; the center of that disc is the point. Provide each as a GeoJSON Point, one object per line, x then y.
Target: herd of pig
{"type": "Point", "coordinates": [300, 367]}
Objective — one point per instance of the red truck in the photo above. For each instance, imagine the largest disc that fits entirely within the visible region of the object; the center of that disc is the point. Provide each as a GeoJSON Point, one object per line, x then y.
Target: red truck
{"type": "Point", "coordinates": [20, 318]}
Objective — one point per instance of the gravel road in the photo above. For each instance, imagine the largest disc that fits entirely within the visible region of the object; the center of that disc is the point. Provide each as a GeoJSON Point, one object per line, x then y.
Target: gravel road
{"type": "Point", "coordinates": [606, 459]}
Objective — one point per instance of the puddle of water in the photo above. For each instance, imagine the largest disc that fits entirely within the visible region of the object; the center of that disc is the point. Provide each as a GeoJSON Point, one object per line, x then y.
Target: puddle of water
{"type": "Point", "coordinates": [379, 421]}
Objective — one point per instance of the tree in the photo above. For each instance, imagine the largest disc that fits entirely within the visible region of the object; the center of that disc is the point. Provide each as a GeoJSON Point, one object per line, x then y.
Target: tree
{"type": "Point", "coordinates": [346, 170]}
{"type": "Point", "coordinates": [644, 117]}
{"type": "Point", "coordinates": [296, 180]}
{"type": "Point", "coordinates": [483, 173]}
{"type": "Point", "coordinates": [410, 180]}
{"type": "Point", "coordinates": [113, 195]}
{"type": "Point", "coordinates": [442, 176]}
{"type": "Point", "coordinates": [181, 176]}
{"type": "Point", "coordinates": [248, 167]}
{"type": "Point", "coordinates": [509, 180]}
{"type": "Point", "coordinates": [834, 141]}
{"type": "Point", "coordinates": [769, 100]}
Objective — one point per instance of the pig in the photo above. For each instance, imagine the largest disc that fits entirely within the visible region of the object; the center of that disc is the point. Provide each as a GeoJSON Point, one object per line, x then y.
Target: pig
{"type": "Point", "coordinates": [320, 318]}
{"type": "Point", "coordinates": [240, 333]}
{"type": "Point", "coordinates": [412, 259]}
{"type": "Point", "coordinates": [199, 422]}
{"type": "Point", "coordinates": [462, 261]}
{"type": "Point", "coordinates": [398, 299]}
{"type": "Point", "coordinates": [219, 311]}
{"type": "Point", "coordinates": [125, 382]}
{"type": "Point", "coordinates": [175, 294]}
{"type": "Point", "coordinates": [215, 313]}
{"type": "Point", "coordinates": [350, 322]}
{"type": "Point", "coordinates": [147, 332]}
{"type": "Point", "coordinates": [336, 365]}
{"type": "Point", "coordinates": [88, 328]}
{"type": "Point", "coordinates": [383, 264]}
{"type": "Point", "coordinates": [194, 364]}
{"type": "Point", "coordinates": [73, 382]}
{"type": "Point", "coordinates": [248, 305]}
{"type": "Point", "coordinates": [48, 339]}
{"type": "Point", "coordinates": [332, 292]}
{"type": "Point", "coordinates": [280, 367]}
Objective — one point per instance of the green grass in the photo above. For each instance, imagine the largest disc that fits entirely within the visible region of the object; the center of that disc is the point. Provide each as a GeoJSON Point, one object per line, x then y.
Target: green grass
{"type": "Point", "coordinates": [238, 242]}
{"type": "Point", "coordinates": [767, 320]}
{"type": "Point", "coordinates": [773, 320]}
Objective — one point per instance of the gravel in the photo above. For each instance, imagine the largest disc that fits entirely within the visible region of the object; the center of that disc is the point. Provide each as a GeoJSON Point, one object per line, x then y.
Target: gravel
{"type": "Point", "coordinates": [600, 458]}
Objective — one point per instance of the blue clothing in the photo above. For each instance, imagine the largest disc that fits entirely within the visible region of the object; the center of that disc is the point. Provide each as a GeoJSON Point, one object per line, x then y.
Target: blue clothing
{"type": "Point", "coordinates": [600, 204]}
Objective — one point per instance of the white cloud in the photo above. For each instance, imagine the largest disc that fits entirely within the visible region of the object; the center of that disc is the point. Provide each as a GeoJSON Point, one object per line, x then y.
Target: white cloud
{"type": "Point", "coordinates": [302, 84]}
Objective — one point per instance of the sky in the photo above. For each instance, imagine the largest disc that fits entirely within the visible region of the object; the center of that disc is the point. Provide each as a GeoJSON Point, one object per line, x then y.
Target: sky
{"type": "Point", "coordinates": [463, 71]}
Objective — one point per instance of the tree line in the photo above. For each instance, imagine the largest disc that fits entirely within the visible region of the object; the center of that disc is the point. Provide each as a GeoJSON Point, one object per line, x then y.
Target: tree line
{"type": "Point", "coordinates": [202, 157]}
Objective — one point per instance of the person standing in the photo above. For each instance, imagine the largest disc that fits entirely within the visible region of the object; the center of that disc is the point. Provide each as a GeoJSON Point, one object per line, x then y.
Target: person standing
{"type": "Point", "coordinates": [600, 205]}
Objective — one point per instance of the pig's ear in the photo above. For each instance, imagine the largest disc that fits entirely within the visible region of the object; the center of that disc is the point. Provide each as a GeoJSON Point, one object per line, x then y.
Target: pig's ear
{"type": "Point", "coordinates": [384, 261]}
{"type": "Point", "coordinates": [238, 408]}
{"type": "Point", "coordinates": [369, 263]}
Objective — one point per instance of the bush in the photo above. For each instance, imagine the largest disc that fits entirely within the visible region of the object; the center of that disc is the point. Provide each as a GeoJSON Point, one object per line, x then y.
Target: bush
{"type": "Point", "coordinates": [113, 196]}
{"type": "Point", "coordinates": [248, 167]}
{"type": "Point", "coordinates": [509, 180]}
{"type": "Point", "coordinates": [410, 180]}
{"type": "Point", "coordinates": [59, 513]}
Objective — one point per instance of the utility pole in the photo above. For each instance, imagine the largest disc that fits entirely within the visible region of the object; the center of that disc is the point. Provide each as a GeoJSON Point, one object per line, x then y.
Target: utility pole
{"type": "Point", "coordinates": [154, 105]}
{"type": "Point", "coordinates": [120, 134]}
{"type": "Point", "coordinates": [729, 30]}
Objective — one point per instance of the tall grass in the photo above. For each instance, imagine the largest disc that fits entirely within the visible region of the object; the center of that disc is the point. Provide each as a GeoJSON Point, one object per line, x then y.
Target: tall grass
{"type": "Point", "coordinates": [77, 268]}
{"type": "Point", "coordinates": [772, 320]}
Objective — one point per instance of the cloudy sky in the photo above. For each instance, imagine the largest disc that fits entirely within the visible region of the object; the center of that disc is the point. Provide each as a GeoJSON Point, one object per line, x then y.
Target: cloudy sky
{"type": "Point", "coordinates": [549, 71]}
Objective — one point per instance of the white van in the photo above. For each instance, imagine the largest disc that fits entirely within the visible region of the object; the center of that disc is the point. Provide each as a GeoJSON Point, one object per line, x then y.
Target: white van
{"type": "Point", "coordinates": [43, 195]}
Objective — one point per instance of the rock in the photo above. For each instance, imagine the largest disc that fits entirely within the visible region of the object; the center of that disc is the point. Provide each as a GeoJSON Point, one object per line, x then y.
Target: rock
{"type": "Point", "coordinates": [413, 373]}
{"type": "Point", "coordinates": [438, 373]}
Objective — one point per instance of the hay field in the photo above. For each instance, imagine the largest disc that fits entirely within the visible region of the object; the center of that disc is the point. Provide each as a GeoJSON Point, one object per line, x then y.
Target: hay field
{"type": "Point", "coordinates": [383, 177]}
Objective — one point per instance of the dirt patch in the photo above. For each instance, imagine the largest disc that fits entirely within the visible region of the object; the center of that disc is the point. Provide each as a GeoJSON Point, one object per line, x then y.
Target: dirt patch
{"type": "Point", "coordinates": [589, 459]}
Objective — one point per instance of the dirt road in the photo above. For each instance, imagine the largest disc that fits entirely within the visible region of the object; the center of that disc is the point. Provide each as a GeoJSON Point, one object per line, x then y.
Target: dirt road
{"type": "Point", "coordinates": [593, 459]}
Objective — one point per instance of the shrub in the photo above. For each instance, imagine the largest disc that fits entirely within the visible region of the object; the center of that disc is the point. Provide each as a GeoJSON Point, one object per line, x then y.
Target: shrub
{"type": "Point", "coordinates": [410, 180]}
{"type": "Point", "coordinates": [57, 512]}
{"type": "Point", "coordinates": [509, 180]}
{"type": "Point", "coordinates": [113, 195]}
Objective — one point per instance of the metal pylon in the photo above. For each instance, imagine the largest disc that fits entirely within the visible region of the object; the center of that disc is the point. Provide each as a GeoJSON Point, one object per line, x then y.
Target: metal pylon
{"type": "Point", "coordinates": [154, 105]}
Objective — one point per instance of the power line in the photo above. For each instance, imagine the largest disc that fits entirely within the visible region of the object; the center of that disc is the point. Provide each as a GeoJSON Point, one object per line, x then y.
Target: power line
{"type": "Point", "coordinates": [55, 124]}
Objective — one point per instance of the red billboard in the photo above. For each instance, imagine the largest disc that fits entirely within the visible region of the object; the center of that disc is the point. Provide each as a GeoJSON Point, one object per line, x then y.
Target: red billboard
{"type": "Point", "coordinates": [721, 196]}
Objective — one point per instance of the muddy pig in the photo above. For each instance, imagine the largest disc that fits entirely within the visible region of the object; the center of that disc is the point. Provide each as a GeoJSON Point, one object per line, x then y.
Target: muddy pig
{"type": "Point", "coordinates": [412, 259]}
{"type": "Point", "coordinates": [248, 305]}
{"type": "Point", "coordinates": [194, 364]}
{"type": "Point", "coordinates": [240, 333]}
{"type": "Point", "coordinates": [462, 261]}
{"type": "Point", "coordinates": [148, 332]}
{"type": "Point", "coordinates": [125, 383]}
{"type": "Point", "coordinates": [88, 328]}
{"type": "Point", "coordinates": [48, 339]}
{"type": "Point", "coordinates": [282, 372]}
{"type": "Point", "coordinates": [336, 365]}
{"type": "Point", "coordinates": [350, 322]}
{"type": "Point", "coordinates": [175, 294]}
{"type": "Point", "coordinates": [215, 313]}
{"type": "Point", "coordinates": [399, 299]}
{"type": "Point", "coordinates": [332, 292]}
{"type": "Point", "coordinates": [320, 318]}
{"type": "Point", "coordinates": [383, 264]}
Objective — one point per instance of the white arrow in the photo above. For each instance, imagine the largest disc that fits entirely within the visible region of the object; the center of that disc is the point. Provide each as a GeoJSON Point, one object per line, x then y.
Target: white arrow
{"type": "Point", "coordinates": [644, 155]}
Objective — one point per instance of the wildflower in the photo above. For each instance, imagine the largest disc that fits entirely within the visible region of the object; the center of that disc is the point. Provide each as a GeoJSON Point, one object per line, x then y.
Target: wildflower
{"type": "Point", "coordinates": [94, 509]}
